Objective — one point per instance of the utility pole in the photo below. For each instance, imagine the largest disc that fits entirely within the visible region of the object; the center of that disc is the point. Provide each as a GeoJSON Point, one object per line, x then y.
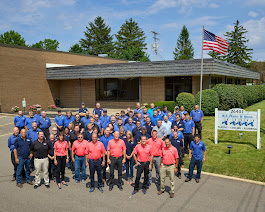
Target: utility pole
{"type": "Point", "coordinates": [155, 45]}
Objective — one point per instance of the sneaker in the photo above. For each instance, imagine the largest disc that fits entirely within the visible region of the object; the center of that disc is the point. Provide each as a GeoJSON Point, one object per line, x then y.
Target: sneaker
{"type": "Point", "coordinates": [100, 189]}
{"type": "Point", "coordinates": [35, 186]}
{"type": "Point", "coordinates": [187, 180]}
{"type": "Point", "coordinates": [91, 190]}
{"type": "Point", "coordinates": [144, 191]}
{"type": "Point", "coordinates": [47, 186]}
{"type": "Point", "coordinates": [19, 185]}
{"type": "Point", "coordinates": [76, 182]}
{"type": "Point", "coordinates": [197, 180]}
{"type": "Point", "coordinates": [83, 181]}
{"type": "Point", "coordinates": [134, 192]}
{"type": "Point", "coordinates": [120, 187]}
{"type": "Point", "coordinates": [171, 195]}
{"type": "Point", "coordinates": [30, 182]}
{"type": "Point", "coordinates": [160, 192]}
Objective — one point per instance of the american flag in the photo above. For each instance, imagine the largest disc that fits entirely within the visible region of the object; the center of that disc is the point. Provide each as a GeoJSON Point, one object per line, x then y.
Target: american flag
{"type": "Point", "coordinates": [215, 43]}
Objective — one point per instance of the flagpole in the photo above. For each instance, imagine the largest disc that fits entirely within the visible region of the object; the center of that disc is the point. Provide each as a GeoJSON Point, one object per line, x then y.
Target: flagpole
{"type": "Point", "coordinates": [201, 68]}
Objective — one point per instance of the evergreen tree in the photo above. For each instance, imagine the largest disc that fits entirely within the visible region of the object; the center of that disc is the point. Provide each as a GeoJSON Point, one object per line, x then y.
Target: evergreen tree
{"type": "Point", "coordinates": [48, 44]}
{"type": "Point", "coordinates": [12, 37]}
{"type": "Point", "coordinates": [131, 39]}
{"type": "Point", "coordinates": [238, 53]}
{"type": "Point", "coordinates": [215, 55]}
{"type": "Point", "coordinates": [76, 48]}
{"type": "Point", "coordinates": [184, 49]}
{"type": "Point", "coordinates": [97, 38]}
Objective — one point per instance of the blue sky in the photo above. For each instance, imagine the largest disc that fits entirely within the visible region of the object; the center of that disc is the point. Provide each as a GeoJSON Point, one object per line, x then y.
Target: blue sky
{"type": "Point", "coordinates": [65, 20]}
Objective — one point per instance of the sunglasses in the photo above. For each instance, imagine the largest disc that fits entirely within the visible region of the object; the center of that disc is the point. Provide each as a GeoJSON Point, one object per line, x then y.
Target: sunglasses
{"type": "Point", "coordinates": [80, 137]}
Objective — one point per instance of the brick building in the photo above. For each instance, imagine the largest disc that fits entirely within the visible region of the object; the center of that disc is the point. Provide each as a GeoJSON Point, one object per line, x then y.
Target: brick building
{"type": "Point", "coordinates": [41, 76]}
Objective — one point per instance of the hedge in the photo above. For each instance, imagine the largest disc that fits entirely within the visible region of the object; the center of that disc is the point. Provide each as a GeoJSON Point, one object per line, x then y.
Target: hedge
{"type": "Point", "coordinates": [187, 100]}
{"type": "Point", "coordinates": [170, 105]}
{"type": "Point", "coordinates": [210, 101]}
{"type": "Point", "coordinates": [229, 97]}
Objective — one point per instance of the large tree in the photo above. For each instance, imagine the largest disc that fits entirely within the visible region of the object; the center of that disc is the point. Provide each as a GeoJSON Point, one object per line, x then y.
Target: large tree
{"type": "Point", "coordinates": [48, 44]}
{"type": "Point", "coordinates": [76, 48]}
{"type": "Point", "coordinates": [131, 38]}
{"type": "Point", "coordinates": [98, 39]}
{"type": "Point", "coordinates": [133, 53]}
{"type": "Point", "coordinates": [238, 53]}
{"type": "Point", "coordinates": [12, 37]}
{"type": "Point", "coordinates": [184, 49]}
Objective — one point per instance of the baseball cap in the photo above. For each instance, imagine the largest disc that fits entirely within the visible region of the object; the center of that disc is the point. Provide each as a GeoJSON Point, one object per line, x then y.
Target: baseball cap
{"type": "Point", "coordinates": [158, 107]}
{"type": "Point", "coordinates": [82, 103]}
{"type": "Point", "coordinates": [105, 111]}
{"type": "Point", "coordinates": [144, 127]}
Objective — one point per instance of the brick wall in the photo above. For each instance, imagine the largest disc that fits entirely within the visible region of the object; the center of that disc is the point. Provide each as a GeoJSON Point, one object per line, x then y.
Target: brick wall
{"type": "Point", "coordinates": [153, 89]}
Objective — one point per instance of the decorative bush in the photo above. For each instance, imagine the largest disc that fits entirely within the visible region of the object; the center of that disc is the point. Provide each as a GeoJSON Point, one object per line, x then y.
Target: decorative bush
{"type": "Point", "coordinates": [15, 109]}
{"type": "Point", "coordinates": [187, 100]}
{"type": "Point", "coordinates": [170, 105]}
{"type": "Point", "coordinates": [34, 107]}
{"type": "Point", "coordinates": [51, 107]}
{"type": "Point", "coordinates": [229, 96]}
{"type": "Point", "coordinates": [210, 101]}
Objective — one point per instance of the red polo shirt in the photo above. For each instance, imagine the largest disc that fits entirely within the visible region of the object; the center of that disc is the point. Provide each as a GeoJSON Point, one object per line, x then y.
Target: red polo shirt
{"type": "Point", "coordinates": [157, 145]}
{"type": "Point", "coordinates": [80, 148]}
{"type": "Point", "coordinates": [61, 148]}
{"type": "Point", "coordinates": [143, 152]}
{"type": "Point", "coordinates": [169, 155]}
{"type": "Point", "coordinates": [116, 147]}
{"type": "Point", "coordinates": [95, 150]}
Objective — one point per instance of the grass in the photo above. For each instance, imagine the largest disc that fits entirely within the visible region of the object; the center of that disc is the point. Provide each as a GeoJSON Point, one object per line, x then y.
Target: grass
{"type": "Point", "coordinates": [245, 161]}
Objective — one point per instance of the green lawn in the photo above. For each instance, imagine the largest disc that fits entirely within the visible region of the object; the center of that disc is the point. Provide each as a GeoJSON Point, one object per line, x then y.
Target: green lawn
{"type": "Point", "coordinates": [245, 161]}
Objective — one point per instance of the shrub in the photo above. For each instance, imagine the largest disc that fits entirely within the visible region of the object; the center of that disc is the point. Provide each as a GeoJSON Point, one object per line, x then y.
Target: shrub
{"type": "Point", "coordinates": [254, 95]}
{"type": "Point", "coordinates": [51, 107]}
{"type": "Point", "coordinates": [170, 105]}
{"type": "Point", "coordinates": [210, 101]}
{"type": "Point", "coordinates": [245, 94]}
{"type": "Point", "coordinates": [229, 97]}
{"type": "Point", "coordinates": [187, 100]}
{"type": "Point", "coordinates": [15, 109]}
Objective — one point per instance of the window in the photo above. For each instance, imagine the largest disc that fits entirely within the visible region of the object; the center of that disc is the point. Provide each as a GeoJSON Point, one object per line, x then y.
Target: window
{"type": "Point", "coordinates": [229, 81]}
{"type": "Point", "coordinates": [215, 81]}
{"type": "Point", "coordinates": [117, 89]}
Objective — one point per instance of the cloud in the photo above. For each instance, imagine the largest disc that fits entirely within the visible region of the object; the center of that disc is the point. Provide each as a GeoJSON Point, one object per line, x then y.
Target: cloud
{"type": "Point", "coordinates": [255, 3]}
{"type": "Point", "coordinates": [34, 5]}
{"type": "Point", "coordinates": [253, 14]}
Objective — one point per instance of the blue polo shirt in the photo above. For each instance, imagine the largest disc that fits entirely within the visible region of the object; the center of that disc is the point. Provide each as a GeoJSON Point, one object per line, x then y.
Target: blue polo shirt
{"type": "Point", "coordinates": [86, 120]}
{"type": "Point", "coordinates": [163, 113]}
{"type": "Point", "coordinates": [123, 118]}
{"type": "Point", "coordinates": [138, 136]}
{"type": "Point", "coordinates": [197, 149]}
{"type": "Point", "coordinates": [136, 131]}
{"type": "Point", "coordinates": [52, 150]}
{"type": "Point", "coordinates": [67, 120]}
{"type": "Point", "coordinates": [105, 140]}
{"type": "Point", "coordinates": [116, 128]}
{"type": "Point", "coordinates": [149, 128]}
{"type": "Point", "coordinates": [23, 147]}
{"type": "Point", "coordinates": [99, 123]}
{"type": "Point", "coordinates": [20, 121]}
{"type": "Point", "coordinates": [180, 113]}
{"type": "Point", "coordinates": [81, 110]}
{"type": "Point", "coordinates": [123, 137]}
{"type": "Point", "coordinates": [98, 111]}
{"type": "Point", "coordinates": [171, 119]}
{"type": "Point", "coordinates": [59, 120]}
{"type": "Point", "coordinates": [130, 127]}
{"type": "Point", "coordinates": [33, 134]}
{"type": "Point", "coordinates": [88, 135]}
{"type": "Point", "coordinates": [154, 119]}
{"type": "Point", "coordinates": [129, 147]}
{"type": "Point", "coordinates": [134, 119]}
{"type": "Point", "coordinates": [29, 122]}
{"type": "Point", "coordinates": [180, 135]}
{"type": "Point", "coordinates": [45, 123]}
{"type": "Point", "coordinates": [11, 142]}
{"type": "Point", "coordinates": [180, 124]}
{"type": "Point", "coordinates": [150, 111]}
{"type": "Point", "coordinates": [196, 115]}
{"type": "Point", "coordinates": [138, 110]}
{"type": "Point", "coordinates": [177, 143]}
{"type": "Point", "coordinates": [188, 126]}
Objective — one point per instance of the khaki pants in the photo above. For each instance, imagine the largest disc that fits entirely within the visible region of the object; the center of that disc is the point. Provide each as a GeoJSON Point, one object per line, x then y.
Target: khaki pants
{"type": "Point", "coordinates": [164, 171]}
{"type": "Point", "coordinates": [44, 165]}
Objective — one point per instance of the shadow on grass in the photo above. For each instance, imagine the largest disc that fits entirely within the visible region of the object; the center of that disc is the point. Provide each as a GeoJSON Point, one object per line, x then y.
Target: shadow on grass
{"type": "Point", "coordinates": [235, 142]}
{"type": "Point", "coordinates": [262, 130]}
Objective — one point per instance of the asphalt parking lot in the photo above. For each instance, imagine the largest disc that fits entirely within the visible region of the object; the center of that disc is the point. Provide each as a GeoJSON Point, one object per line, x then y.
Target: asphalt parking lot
{"type": "Point", "coordinates": [211, 194]}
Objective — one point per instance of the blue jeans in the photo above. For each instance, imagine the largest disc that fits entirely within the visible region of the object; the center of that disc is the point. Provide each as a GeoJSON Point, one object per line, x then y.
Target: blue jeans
{"type": "Point", "coordinates": [194, 162]}
{"type": "Point", "coordinates": [93, 167]}
{"type": "Point", "coordinates": [23, 162]}
{"type": "Point", "coordinates": [80, 162]}
{"type": "Point", "coordinates": [129, 167]}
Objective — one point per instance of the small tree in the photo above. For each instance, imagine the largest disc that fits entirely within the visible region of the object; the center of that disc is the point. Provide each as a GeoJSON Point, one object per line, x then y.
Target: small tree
{"type": "Point", "coordinates": [76, 48]}
{"type": "Point", "coordinates": [13, 38]}
{"type": "Point", "coordinates": [184, 49]}
{"type": "Point", "coordinates": [48, 44]}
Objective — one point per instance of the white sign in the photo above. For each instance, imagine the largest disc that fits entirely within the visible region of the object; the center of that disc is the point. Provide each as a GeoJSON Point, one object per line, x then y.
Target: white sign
{"type": "Point", "coordinates": [24, 102]}
{"type": "Point", "coordinates": [237, 119]}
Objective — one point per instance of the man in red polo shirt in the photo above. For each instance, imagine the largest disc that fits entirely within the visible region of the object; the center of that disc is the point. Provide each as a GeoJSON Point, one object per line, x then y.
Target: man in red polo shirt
{"type": "Point", "coordinates": [95, 151]}
{"type": "Point", "coordinates": [143, 162]}
{"type": "Point", "coordinates": [116, 156]}
{"type": "Point", "coordinates": [157, 144]}
{"type": "Point", "coordinates": [169, 166]}
{"type": "Point", "coordinates": [79, 150]}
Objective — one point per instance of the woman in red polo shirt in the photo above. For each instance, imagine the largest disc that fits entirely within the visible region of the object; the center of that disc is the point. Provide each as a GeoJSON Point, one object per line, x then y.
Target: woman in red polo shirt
{"type": "Point", "coordinates": [60, 159]}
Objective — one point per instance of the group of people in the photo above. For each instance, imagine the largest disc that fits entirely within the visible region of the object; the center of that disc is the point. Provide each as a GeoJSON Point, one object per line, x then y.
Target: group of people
{"type": "Point", "coordinates": [144, 138]}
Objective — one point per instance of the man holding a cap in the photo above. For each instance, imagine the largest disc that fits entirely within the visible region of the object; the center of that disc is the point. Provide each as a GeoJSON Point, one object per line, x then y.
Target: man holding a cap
{"type": "Point", "coordinates": [82, 111]}
{"type": "Point", "coordinates": [59, 121]}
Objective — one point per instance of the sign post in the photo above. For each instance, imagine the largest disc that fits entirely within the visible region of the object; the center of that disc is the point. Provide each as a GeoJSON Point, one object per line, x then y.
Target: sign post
{"type": "Point", "coordinates": [24, 104]}
{"type": "Point", "coordinates": [239, 120]}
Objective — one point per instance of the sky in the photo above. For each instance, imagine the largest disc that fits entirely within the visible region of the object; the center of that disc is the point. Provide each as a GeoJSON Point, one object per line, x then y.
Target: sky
{"type": "Point", "coordinates": [66, 20]}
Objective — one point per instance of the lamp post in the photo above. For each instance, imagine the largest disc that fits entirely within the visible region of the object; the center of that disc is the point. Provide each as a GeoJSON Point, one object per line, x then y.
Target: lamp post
{"type": "Point", "coordinates": [24, 104]}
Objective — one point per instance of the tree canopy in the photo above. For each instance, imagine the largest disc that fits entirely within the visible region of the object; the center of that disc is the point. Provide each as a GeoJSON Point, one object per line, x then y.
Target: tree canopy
{"type": "Point", "coordinates": [48, 44]}
{"type": "Point", "coordinates": [13, 38]}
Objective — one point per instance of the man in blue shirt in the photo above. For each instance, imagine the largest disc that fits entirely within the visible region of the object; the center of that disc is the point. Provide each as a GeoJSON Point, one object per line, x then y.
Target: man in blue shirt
{"type": "Point", "coordinates": [170, 117]}
{"type": "Point", "coordinates": [137, 129]}
{"type": "Point", "coordinates": [182, 112]}
{"type": "Point", "coordinates": [22, 152]}
{"type": "Point", "coordinates": [11, 146]}
{"type": "Point", "coordinates": [149, 125]}
{"type": "Point", "coordinates": [198, 150]}
{"type": "Point", "coordinates": [37, 116]}
{"type": "Point", "coordinates": [105, 119]}
{"type": "Point", "coordinates": [138, 108]}
{"type": "Point", "coordinates": [86, 119]}
{"type": "Point", "coordinates": [176, 112]}
{"type": "Point", "coordinates": [82, 111]}
{"type": "Point", "coordinates": [178, 143]}
{"type": "Point", "coordinates": [99, 123]}
{"type": "Point", "coordinates": [197, 116]}
{"type": "Point", "coordinates": [59, 121]}
{"type": "Point", "coordinates": [180, 124]}
{"type": "Point", "coordinates": [30, 120]}
{"type": "Point", "coordinates": [45, 124]}
{"type": "Point", "coordinates": [132, 117]}
{"type": "Point", "coordinates": [68, 118]}
{"type": "Point", "coordinates": [151, 109]}
{"type": "Point", "coordinates": [105, 140]}
{"type": "Point", "coordinates": [159, 112]}
{"type": "Point", "coordinates": [98, 110]}
{"type": "Point", "coordinates": [188, 131]}
{"type": "Point", "coordinates": [130, 125]}
{"type": "Point", "coordinates": [19, 120]}
{"type": "Point", "coordinates": [118, 125]}
{"type": "Point", "coordinates": [154, 118]}
{"type": "Point", "coordinates": [137, 137]}
{"type": "Point", "coordinates": [165, 111]}
{"type": "Point", "coordinates": [123, 117]}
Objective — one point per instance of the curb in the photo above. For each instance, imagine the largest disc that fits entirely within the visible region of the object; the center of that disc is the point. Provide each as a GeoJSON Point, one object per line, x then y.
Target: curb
{"type": "Point", "coordinates": [230, 178]}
